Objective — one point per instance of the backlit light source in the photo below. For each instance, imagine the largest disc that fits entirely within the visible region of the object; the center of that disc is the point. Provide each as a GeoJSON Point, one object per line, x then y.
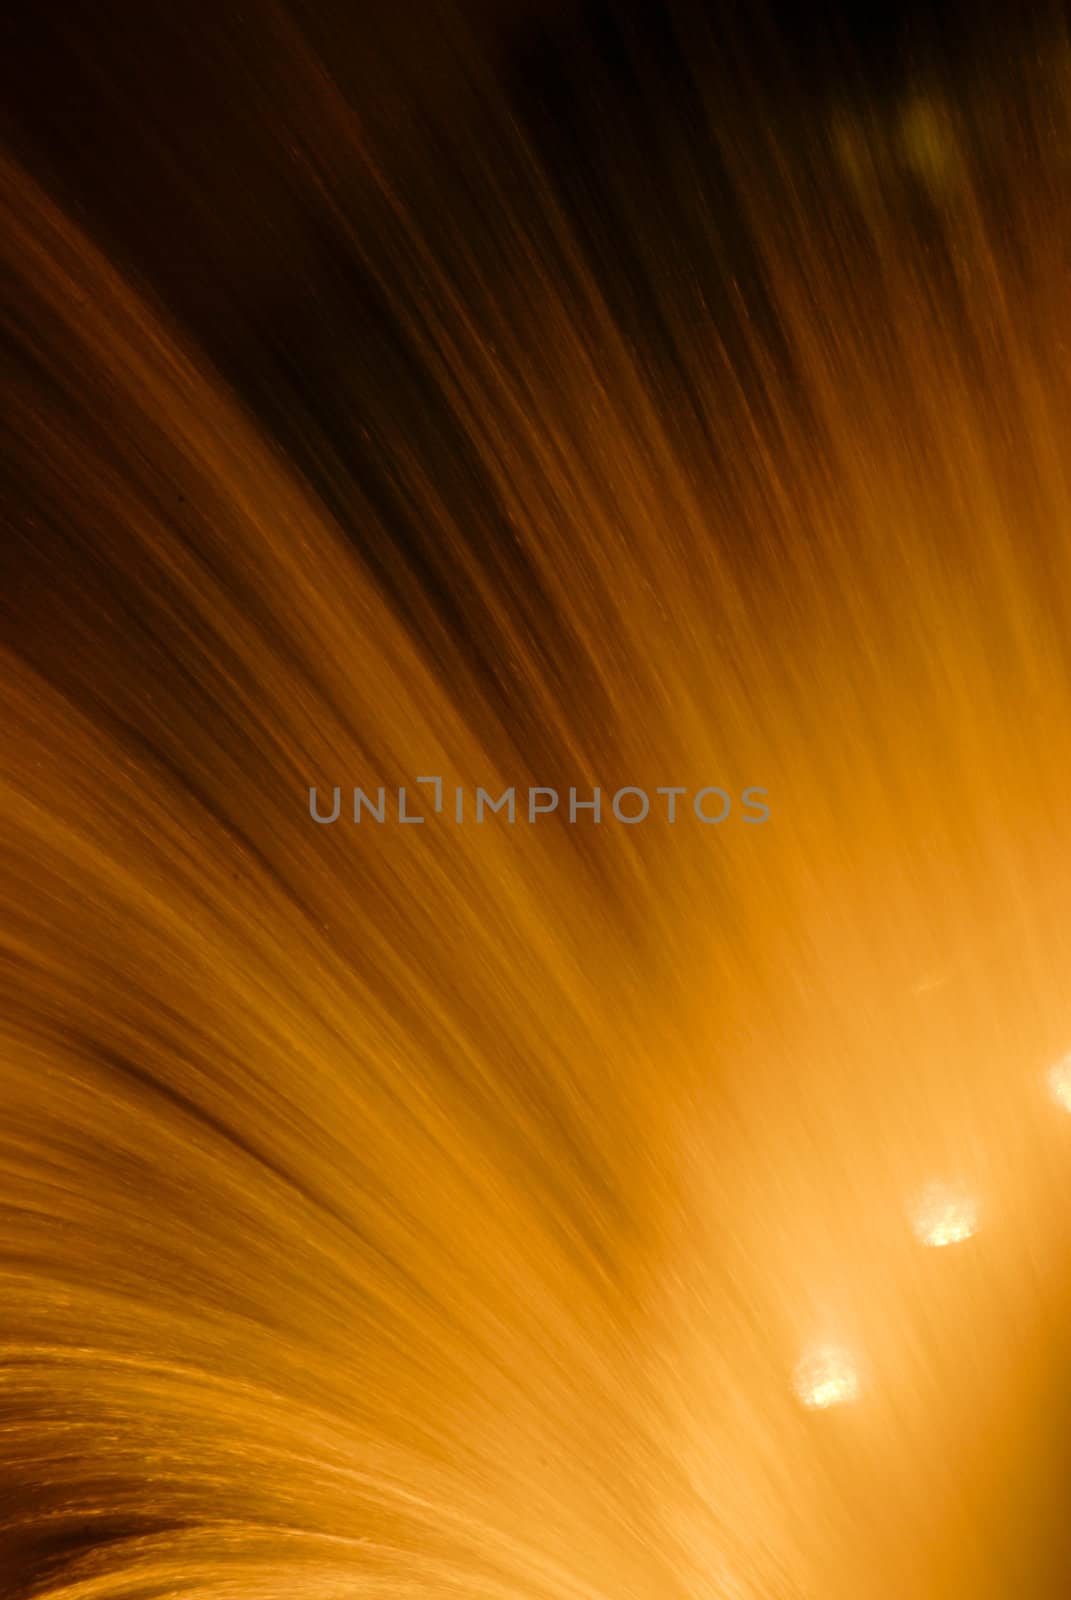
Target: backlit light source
{"type": "Point", "coordinates": [1060, 1083]}
{"type": "Point", "coordinates": [944, 1214]}
{"type": "Point", "coordinates": [827, 1377]}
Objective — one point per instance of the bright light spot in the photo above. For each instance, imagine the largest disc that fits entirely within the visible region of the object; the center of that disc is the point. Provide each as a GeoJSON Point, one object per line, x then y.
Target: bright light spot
{"type": "Point", "coordinates": [945, 1214]}
{"type": "Point", "coordinates": [927, 142]}
{"type": "Point", "coordinates": [1060, 1083]}
{"type": "Point", "coordinates": [827, 1377]}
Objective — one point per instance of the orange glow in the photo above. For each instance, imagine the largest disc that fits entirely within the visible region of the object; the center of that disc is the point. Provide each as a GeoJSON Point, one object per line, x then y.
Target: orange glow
{"type": "Point", "coordinates": [458, 1212]}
